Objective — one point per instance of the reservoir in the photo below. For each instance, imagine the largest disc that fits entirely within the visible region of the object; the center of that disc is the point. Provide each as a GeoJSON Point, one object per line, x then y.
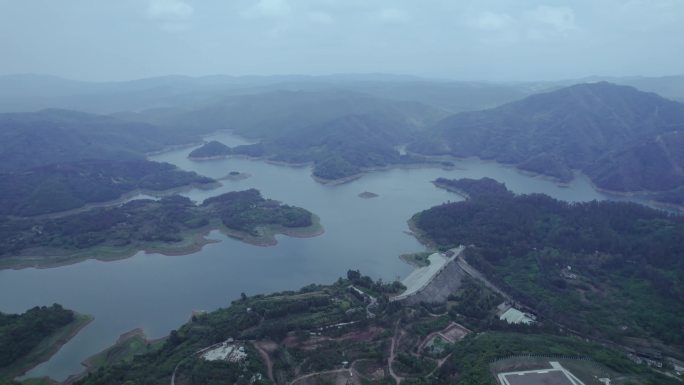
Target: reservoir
{"type": "Point", "coordinates": [158, 293]}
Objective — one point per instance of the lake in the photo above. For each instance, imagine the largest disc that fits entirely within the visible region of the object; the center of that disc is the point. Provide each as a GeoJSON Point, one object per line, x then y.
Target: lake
{"type": "Point", "coordinates": [158, 293]}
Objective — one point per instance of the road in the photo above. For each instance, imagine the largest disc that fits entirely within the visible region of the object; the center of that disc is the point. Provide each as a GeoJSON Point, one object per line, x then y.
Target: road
{"type": "Point", "coordinates": [267, 359]}
{"type": "Point", "coordinates": [390, 360]}
{"type": "Point", "coordinates": [465, 266]}
{"type": "Point", "coordinates": [350, 370]}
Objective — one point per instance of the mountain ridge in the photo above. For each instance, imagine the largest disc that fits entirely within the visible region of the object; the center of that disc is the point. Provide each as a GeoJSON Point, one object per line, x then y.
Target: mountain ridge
{"type": "Point", "coordinates": [585, 127]}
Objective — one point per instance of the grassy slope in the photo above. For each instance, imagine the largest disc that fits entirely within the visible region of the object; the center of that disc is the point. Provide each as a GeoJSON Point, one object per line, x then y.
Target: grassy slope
{"type": "Point", "coordinates": [47, 347]}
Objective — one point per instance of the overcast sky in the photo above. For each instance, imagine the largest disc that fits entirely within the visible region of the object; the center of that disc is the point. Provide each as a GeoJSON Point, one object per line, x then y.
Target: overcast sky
{"type": "Point", "coordinates": [459, 39]}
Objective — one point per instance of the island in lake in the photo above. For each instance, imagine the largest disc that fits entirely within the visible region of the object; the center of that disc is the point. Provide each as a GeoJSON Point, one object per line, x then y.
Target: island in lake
{"type": "Point", "coordinates": [236, 175]}
{"type": "Point", "coordinates": [368, 195]}
{"type": "Point", "coordinates": [171, 225]}
{"type": "Point", "coordinates": [210, 150]}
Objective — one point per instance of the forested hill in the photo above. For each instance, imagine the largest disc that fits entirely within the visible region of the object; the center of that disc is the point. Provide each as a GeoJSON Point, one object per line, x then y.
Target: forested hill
{"type": "Point", "coordinates": [273, 114]}
{"type": "Point", "coordinates": [65, 186]}
{"type": "Point", "coordinates": [173, 224]}
{"type": "Point", "coordinates": [341, 132]}
{"type": "Point", "coordinates": [211, 149]}
{"type": "Point", "coordinates": [339, 148]}
{"type": "Point", "coordinates": [323, 334]}
{"type": "Point", "coordinates": [20, 333]}
{"type": "Point", "coordinates": [28, 338]}
{"type": "Point", "coordinates": [575, 263]}
{"type": "Point", "coordinates": [170, 223]}
{"type": "Point", "coordinates": [624, 139]}
{"type": "Point", "coordinates": [34, 139]}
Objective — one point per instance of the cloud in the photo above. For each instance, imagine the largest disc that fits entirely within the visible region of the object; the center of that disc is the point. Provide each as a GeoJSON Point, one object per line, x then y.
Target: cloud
{"type": "Point", "coordinates": [540, 23]}
{"type": "Point", "coordinates": [319, 17]}
{"type": "Point", "coordinates": [393, 15]}
{"type": "Point", "coordinates": [560, 19]}
{"type": "Point", "coordinates": [267, 9]}
{"type": "Point", "coordinates": [169, 10]}
{"type": "Point", "coordinates": [171, 15]}
{"type": "Point", "coordinates": [490, 21]}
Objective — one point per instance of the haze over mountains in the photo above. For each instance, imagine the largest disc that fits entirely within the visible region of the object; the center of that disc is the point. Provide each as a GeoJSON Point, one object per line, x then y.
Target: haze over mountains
{"type": "Point", "coordinates": [625, 139]}
{"type": "Point", "coordinates": [38, 138]}
{"type": "Point", "coordinates": [29, 92]}
{"type": "Point", "coordinates": [166, 164]}
{"type": "Point", "coordinates": [56, 163]}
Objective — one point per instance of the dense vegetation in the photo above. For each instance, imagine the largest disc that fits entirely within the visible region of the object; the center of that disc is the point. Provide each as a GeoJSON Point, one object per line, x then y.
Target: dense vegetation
{"type": "Point", "coordinates": [272, 114]}
{"type": "Point", "coordinates": [30, 92]}
{"type": "Point", "coordinates": [21, 333]}
{"type": "Point", "coordinates": [323, 328]}
{"type": "Point", "coordinates": [210, 150]}
{"type": "Point", "coordinates": [340, 148]}
{"type": "Point", "coordinates": [64, 186]}
{"type": "Point", "coordinates": [471, 359]}
{"type": "Point", "coordinates": [260, 317]}
{"type": "Point", "coordinates": [340, 132]}
{"type": "Point", "coordinates": [142, 222]}
{"type": "Point", "coordinates": [624, 139]}
{"type": "Point", "coordinates": [575, 263]}
{"type": "Point", "coordinates": [653, 164]}
{"type": "Point", "coordinates": [247, 210]}
{"type": "Point", "coordinates": [477, 187]}
{"type": "Point", "coordinates": [33, 139]}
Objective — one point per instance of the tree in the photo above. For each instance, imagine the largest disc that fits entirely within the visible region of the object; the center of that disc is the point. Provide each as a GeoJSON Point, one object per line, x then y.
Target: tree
{"type": "Point", "coordinates": [353, 275]}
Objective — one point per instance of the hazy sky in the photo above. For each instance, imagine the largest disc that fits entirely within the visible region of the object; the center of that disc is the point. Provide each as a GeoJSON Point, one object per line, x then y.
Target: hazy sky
{"type": "Point", "coordinates": [461, 39]}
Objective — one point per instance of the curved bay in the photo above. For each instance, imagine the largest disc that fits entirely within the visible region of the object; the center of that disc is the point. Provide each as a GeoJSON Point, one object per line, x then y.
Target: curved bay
{"type": "Point", "coordinates": [158, 293]}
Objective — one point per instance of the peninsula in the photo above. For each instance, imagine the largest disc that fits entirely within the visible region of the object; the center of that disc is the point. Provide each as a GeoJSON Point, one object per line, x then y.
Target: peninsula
{"type": "Point", "coordinates": [171, 225]}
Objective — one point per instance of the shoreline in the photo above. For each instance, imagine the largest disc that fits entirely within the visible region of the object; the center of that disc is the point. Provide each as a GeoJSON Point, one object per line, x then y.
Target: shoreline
{"type": "Point", "coordinates": [61, 337]}
{"type": "Point", "coordinates": [203, 158]}
{"type": "Point", "coordinates": [415, 232]}
{"type": "Point", "coordinates": [452, 189]}
{"type": "Point", "coordinates": [124, 198]}
{"type": "Point", "coordinates": [644, 196]}
{"type": "Point", "coordinates": [370, 170]}
{"type": "Point", "coordinates": [267, 236]}
{"type": "Point", "coordinates": [236, 177]}
{"type": "Point", "coordinates": [90, 363]}
{"type": "Point", "coordinates": [193, 242]}
{"type": "Point", "coordinates": [411, 259]}
{"type": "Point", "coordinates": [172, 147]}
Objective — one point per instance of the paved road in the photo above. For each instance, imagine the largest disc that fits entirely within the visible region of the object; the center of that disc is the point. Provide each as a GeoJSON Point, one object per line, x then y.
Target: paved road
{"type": "Point", "coordinates": [420, 278]}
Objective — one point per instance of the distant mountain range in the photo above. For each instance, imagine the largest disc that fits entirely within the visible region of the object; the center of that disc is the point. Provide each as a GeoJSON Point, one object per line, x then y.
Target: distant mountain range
{"type": "Point", "coordinates": [56, 160]}
{"type": "Point", "coordinates": [340, 132]}
{"type": "Point", "coordinates": [273, 114]}
{"type": "Point", "coordinates": [33, 139]}
{"type": "Point", "coordinates": [626, 140]}
{"type": "Point", "coordinates": [29, 92]}
{"type": "Point", "coordinates": [66, 186]}
{"type": "Point", "coordinates": [35, 92]}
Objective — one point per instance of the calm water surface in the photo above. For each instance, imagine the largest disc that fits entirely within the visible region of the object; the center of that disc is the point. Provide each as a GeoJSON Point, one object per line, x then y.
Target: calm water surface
{"type": "Point", "coordinates": [158, 293]}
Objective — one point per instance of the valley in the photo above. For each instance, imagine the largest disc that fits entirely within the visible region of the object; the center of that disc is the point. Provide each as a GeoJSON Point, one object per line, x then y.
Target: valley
{"type": "Point", "coordinates": [242, 216]}
{"type": "Point", "coordinates": [222, 270]}
{"type": "Point", "coordinates": [306, 192]}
